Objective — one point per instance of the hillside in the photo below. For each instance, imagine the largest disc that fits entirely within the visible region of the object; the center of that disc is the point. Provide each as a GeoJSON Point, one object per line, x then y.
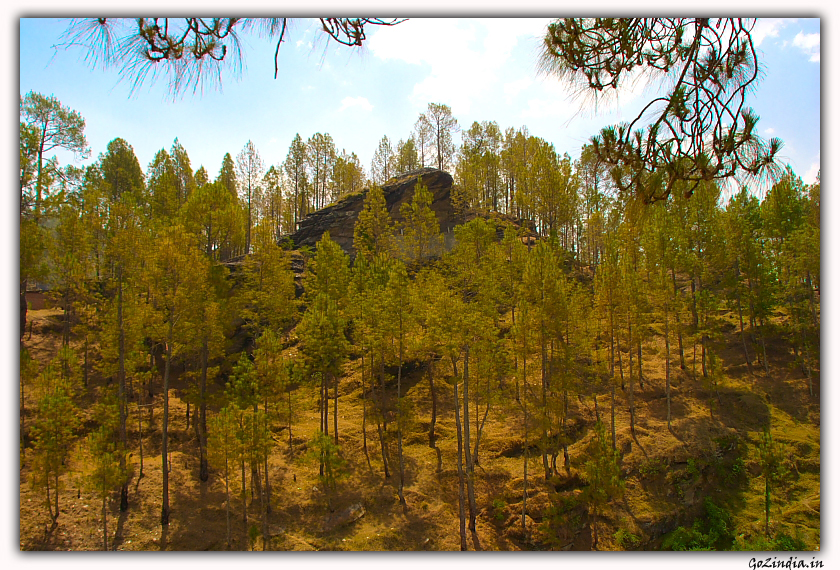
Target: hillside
{"type": "Point", "coordinates": [710, 453]}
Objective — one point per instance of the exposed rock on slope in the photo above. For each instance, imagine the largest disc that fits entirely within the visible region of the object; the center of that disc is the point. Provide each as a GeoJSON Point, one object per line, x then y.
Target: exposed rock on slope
{"type": "Point", "coordinates": [340, 218]}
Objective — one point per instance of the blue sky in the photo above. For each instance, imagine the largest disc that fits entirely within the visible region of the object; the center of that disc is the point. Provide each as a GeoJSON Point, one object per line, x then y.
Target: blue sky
{"type": "Point", "coordinates": [484, 69]}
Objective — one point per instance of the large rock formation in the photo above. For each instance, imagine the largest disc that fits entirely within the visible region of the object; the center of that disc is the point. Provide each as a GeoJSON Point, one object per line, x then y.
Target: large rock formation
{"type": "Point", "coordinates": [340, 218]}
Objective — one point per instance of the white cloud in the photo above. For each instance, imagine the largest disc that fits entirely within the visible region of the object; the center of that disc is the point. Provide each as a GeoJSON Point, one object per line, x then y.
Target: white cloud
{"type": "Point", "coordinates": [513, 88]}
{"type": "Point", "coordinates": [355, 102]}
{"type": "Point", "coordinates": [545, 108]}
{"type": "Point", "coordinates": [809, 44]}
{"type": "Point", "coordinates": [768, 28]}
{"type": "Point", "coordinates": [464, 58]}
{"type": "Point", "coordinates": [811, 176]}
{"type": "Point", "coordinates": [770, 131]}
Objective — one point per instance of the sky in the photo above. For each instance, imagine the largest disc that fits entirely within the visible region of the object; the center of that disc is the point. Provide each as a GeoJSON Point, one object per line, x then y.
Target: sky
{"type": "Point", "coordinates": [485, 69]}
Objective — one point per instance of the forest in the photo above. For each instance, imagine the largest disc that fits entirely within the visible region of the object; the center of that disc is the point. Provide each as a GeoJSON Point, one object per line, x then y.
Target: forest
{"type": "Point", "coordinates": [562, 354]}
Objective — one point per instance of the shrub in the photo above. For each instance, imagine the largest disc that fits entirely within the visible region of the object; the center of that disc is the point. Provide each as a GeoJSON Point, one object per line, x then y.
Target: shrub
{"type": "Point", "coordinates": [626, 539]}
{"type": "Point", "coordinates": [712, 531]}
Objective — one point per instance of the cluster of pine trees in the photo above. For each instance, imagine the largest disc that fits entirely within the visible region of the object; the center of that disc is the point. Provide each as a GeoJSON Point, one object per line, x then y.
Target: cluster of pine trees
{"type": "Point", "coordinates": [523, 326]}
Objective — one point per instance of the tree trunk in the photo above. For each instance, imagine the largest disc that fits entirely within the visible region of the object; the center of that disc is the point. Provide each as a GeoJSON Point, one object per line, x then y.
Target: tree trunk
{"type": "Point", "coordinates": [461, 513]}
{"type": "Point", "coordinates": [811, 297]}
{"type": "Point", "coordinates": [267, 487]}
{"type": "Point", "coordinates": [432, 436]}
{"type": "Point", "coordinates": [291, 449]}
{"type": "Point", "coordinates": [140, 430]}
{"type": "Point", "coordinates": [121, 394]}
{"type": "Point", "coordinates": [667, 368]}
{"type": "Point", "coordinates": [364, 414]}
{"type": "Point", "coordinates": [679, 325]}
{"type": "Point", "coordinates": [639, 354]}
{"type": "Point", "coordinates": [741, 322]}
{"type": "Point", "coordinates": [480, 426]}
{"type": "Point", "coordinates": [23, 309]}
{"type": "Point", "coordinates": [766, 505]}
{"type": "Point", "coordinates": [630, 383]}
{"type": "Point", "coordinates": [399, 426]}
{"type": "Point", "coordinates": [244, 498]}
{"type": "Point", "coordinates": [544, 403]}
{"type": "Point", "coordinates": [104, 521]}
{"type": "Point", "coordinates": [383, 427]}
{"type": "Point", "coordinates": [227, 498]}
{"type": "Point", "coordinates": [164, 511]}
{"type": "Point", "coordinates": [335, 410]}
{"type": "Point", "coordinates": [525, 449]}
{"type": "Point", "coordinates": [57, 512]}
{"type": "Point", "coordinates": [325, 402]}
{"type": "Point", "coordinates": [467, 447]}
{"type": "Point", "coordinates": [264, 511]}
{"type": "Point", "coordinates": [764, 350]}
{"type": "Point", "coordinates": [805, 365]}
{"type": "Point", "coordinates": [203, 473]}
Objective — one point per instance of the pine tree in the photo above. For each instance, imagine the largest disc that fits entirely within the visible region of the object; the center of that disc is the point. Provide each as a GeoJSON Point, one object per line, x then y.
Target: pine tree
{"type": "Point", "coordinates": [421, 235]}
{"type": "Point", "coordinates": [441, 126]}
{"type": "Point", "coordinates": [223, 448]}
{"type": "Point", "coordinates": [269, 288]}
{"type": "Point", "coordinates": [602, 473]}
{"type": "Point", "coordinates": [249, 174]}
{"type": "Point", "coordinates": [772, 469]}
{"type": "Point", "coordinates": [175, 272]}
{"type": "Point", "coordinates": [382, 165]}
{"type": "Point", "coordinates": [105, 454]}
{"type": "Point", "coordinates": [296, 174]}
{"type": "Point", "coordinates": [56, 419]}
{"type": "Point", "coordinates": [52, 126]}
{"type": "Point", "coordinates": [373, 232]}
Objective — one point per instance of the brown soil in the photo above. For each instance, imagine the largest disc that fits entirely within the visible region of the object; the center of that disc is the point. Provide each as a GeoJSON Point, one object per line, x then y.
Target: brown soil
{"type": "Point", "coordinates": [663, 488]}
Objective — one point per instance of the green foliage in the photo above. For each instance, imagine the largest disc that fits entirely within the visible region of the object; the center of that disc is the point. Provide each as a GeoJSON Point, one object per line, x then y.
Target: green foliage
{"type": "Point", "coordinates": [330, 273]}
{"type": "Point", "coordinates": [322, 338]}
{"type": "Point", "coordinates": [222, 442]}
{"type": "Point", "coordinates": [780, 542]}
{"type": "Point", "coordinates": [602, 472]}
{"type": "Point", "coordinates": [253, 535]}
{"type": "Point", "coordinates": [602, 53]}
{"type": "Point", "coordinates": [46, 125]}
{"type": "Point", "coordinates": [136, 264]}
{"type": "Point", "coordinates": [103, 450]}
{"type": "Point", "coordinates": [693, 469]}
{"type": "Point", "coordinates": [269, 292]}
{"type": "Point", "coordinates": [373, 232]}
{"type": "Point", "coordinates": [773, 469]}
{"type": "Point", "coordinates": [499, 509]}
{"type": "Point", "coordinates": [712, 531]}
{"type": "Point", "coordinates": [324, 451]}
{"type": "Point", "coordinates": [651, 467]}
{"type": "Point", "coordinates": [216, 217]}
{"type": "Point", "coordinates": [626, 539]}
{"type": "Point", "coordinates": [53, 430]}
{"type": "Point", "coordinates": [421, 235]}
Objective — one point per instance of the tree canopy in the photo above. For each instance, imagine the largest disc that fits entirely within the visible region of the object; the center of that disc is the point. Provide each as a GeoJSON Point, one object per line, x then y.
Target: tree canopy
{"type": "Point", "coordinates": [701, 128]}
{"type": "Point", "coordinates": [191, 52]}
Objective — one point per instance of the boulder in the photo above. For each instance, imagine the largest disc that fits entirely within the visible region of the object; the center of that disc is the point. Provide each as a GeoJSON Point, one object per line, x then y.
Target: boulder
{"type": "Point", "coordinates": [340, 218]}
{"type": "Point", "coordinates": [349, 515]}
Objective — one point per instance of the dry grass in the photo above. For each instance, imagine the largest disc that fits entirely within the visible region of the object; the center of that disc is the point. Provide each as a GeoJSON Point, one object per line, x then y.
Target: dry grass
{"type": "Point", "coordinates": [667, 473]}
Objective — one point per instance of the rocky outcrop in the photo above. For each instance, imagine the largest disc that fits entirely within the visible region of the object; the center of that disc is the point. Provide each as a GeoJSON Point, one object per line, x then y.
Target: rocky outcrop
{"type": "Point", "coordinates": [340, 218]}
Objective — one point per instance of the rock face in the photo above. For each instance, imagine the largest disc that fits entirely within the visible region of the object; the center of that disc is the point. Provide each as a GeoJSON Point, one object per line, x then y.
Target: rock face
{"type": "Point", "coordinates": [340, 218]}
{"type": "Point", "coordinates": [349, 515]}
